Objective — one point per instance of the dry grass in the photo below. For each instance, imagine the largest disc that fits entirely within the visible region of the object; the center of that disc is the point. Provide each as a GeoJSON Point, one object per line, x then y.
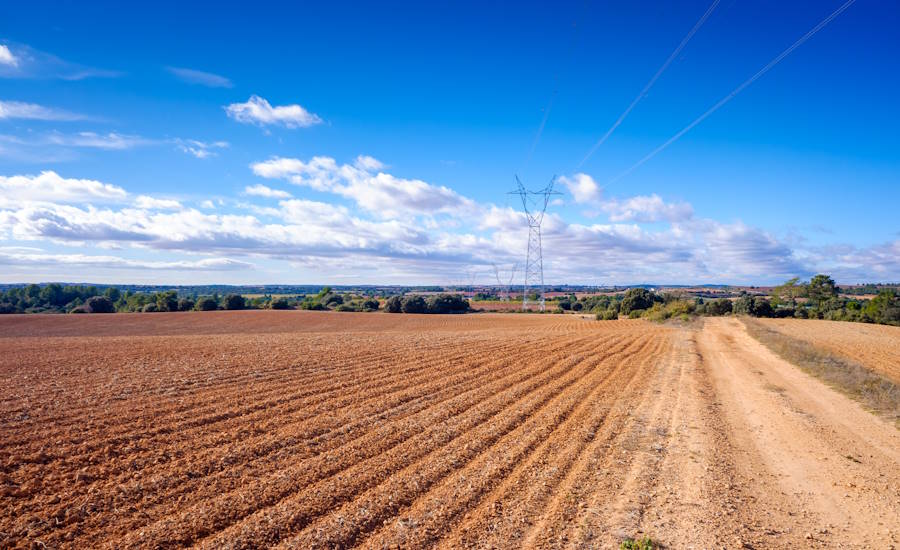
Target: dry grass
{"type": "Point", "coordinates": [874, 391]}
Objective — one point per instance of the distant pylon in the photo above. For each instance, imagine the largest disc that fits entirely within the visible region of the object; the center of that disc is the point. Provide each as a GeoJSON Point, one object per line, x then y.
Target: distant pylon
{"type": "Point", "coordinates": [534, 203]}
{"type": "Point", "coordinates": [504, 287]}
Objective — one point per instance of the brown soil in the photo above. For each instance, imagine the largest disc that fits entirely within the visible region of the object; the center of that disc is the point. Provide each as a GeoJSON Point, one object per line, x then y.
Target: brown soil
{"type": "Point", "coordinates": [318, 430]}
{"type": "Point", "coordinates": [876, 347]}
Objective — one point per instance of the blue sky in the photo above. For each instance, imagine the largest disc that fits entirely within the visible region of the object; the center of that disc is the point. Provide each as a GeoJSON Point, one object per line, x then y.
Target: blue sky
{"type": "Point", "coordinates": [360, 143]}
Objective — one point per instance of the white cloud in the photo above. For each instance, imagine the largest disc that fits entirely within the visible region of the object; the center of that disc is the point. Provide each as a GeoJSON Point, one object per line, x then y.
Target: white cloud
{"type": "Point", "coordinates": [151, 203]}
{"type": "Point", "coordinates": [200, 149]}
{"type": "Point", "coordinates": [33, 111]}
{"type": "Point", "coordinates": [7, 58]}
{"type": "Point", "coordinates": [115, 262]}
{"type": "Point", "coordinates": [257, 110]}
{"type": "Point", "coordinates": [109, 141]}
{"type": "Point", "coordinates": [646, 209]}
{"type": "Point", "coordinates": [260, 190]}
{"type": "Point", "coordinates": [582, 186]}
{"type": "Point", "coordinates": [381, 193]}
{"type": "Point", "coordinates": [49, 186]}
{"type": "Point", "coordinates": [203, 78]}
{"type": "Point", "coordinates": [21, 61]}
{"type": "Point", "coordinates": [431, 232]}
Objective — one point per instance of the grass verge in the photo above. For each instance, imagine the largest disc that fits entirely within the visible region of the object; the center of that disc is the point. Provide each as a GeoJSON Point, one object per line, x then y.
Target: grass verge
{"type": "Point", "coordinates": [875, 392]}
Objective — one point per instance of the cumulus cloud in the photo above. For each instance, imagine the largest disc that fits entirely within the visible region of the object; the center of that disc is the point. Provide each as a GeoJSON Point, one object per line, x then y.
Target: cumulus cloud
{"type": "Point", "coordinates": [431, 231]}
{"type": "Point", "coordinates": [50, 186]}
{"type": "Point", "coordinates": [7, 58]}
{"type": "Point", "coordinates": [646, 209]}
{"type": "Point", "coordinates": [200, 149]}
{"type": "Point", "coordinates": [260, 190]}
{"type": "Point", "coordinates": [192, 76]}
{"type": "Point", "coordinates": [33, 111]}
{"type": "Point", "coordinates": [375, 191]}
{"type": "Point", "coordinates": [151, 203]}
{"type": "Point", "coordinates": [260, 112]}
{"type": "Point", "coordinates": [582, 186]}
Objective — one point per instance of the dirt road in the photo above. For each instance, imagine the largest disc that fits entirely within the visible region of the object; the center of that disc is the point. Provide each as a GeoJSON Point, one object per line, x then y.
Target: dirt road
{"type": "Point", "coordinates": [308, 430]}
{"type": "Point", "coordinates": [816, 462]}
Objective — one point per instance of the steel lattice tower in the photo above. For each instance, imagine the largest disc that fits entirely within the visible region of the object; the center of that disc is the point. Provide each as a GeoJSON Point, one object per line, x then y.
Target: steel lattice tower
{"type": "Point", "coordinates": [534, 203]}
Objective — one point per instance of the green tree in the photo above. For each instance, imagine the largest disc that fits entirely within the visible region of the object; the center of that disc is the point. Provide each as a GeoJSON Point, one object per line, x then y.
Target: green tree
{"type": "Point", "coordinates": [820, 289]}
{"type": "Point", "coordinates": [99, 304]}
{"type": "Point", "coordinates": [167, 301]}
{"type": "Point", "coordinates": [788, 292]}
{"type": "Point", "coordinates": [233, 301]}
{"type": "Point", "coordinates": [636, 299]}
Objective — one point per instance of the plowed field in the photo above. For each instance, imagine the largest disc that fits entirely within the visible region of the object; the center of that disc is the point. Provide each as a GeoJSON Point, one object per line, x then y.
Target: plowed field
{"type": "Point", "coordinates": [323, 430]}
{"type": "Point", "coordinates": [876, 347]}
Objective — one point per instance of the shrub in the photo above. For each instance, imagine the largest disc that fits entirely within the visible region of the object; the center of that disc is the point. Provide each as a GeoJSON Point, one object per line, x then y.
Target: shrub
{"type": "Point", "coordinates": [280, 303]}
{"type": "Point", "coordinates": [565, 305]}
{"type": "Point", "coordinates": [206, 303]}
{"type": "Point", "coordinates": [394, 304]}
{"type": "Point", "coordinates": [7, 307]}
{"type": "Point", "coordinates": [150, 308]}
{"type": "Point", "coordinates": [233, 301]}
{"type": "Point", "coordinates": [608, 315]}
{"type": "Point", "coordinates": [722, 306]}
{"type": "Point", "coordinates": [185, 304]}
{"type": "Point", "coordinates": [99, 304]}
{"type": "Point", "coordinates": [334, 299]}
{"type": "Point", "coordinates": [577, 306]}
{"type": "Point", "coordinates": [312, 305]}
{"type": "Point", "coordinates": [447, 303]}
{"type": "Point", "coordinates": [370, 305]}
{"type": "Point", "coordinates": [414, 304]}
{"type": "Point", "coordinates": [80, 309]}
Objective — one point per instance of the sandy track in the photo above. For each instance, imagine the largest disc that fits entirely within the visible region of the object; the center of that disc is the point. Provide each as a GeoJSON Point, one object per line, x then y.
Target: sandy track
{"type": "Point", "coordinates": [829, 468]}
{"type": "Point", "coordinates": [312, 430]}
{"type": "Point", "coordinates": [876, 347]}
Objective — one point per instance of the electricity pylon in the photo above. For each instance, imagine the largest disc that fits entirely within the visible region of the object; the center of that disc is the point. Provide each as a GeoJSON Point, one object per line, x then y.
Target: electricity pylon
{"type": "Point", "coordinates": [534, 203]}
{"type": "Point", "coordinates": [504, 287]}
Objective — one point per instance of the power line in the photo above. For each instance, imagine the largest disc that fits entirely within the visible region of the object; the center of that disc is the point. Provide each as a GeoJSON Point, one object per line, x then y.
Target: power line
{"type": "Point", "coordinates": [650, 84]}
{"type": "Point", "coordinates": [736, 91]}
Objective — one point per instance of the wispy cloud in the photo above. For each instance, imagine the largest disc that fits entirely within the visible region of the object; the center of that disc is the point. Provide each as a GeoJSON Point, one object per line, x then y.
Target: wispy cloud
{"type": "Point", "coordinates": [257, 110]}
{"type": "Point", "coordinates": [23, 61]}
{"type": "Point", "coordinates": [200, 149]}
{"type": "Point", "coordinates": [203, 78]}
{"type": "Point", "coordinates": [114, 262]}
{"type": "Point", "coordinates": [33, 111]}
{"type": "Point", "coordinates": [110, 141]}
